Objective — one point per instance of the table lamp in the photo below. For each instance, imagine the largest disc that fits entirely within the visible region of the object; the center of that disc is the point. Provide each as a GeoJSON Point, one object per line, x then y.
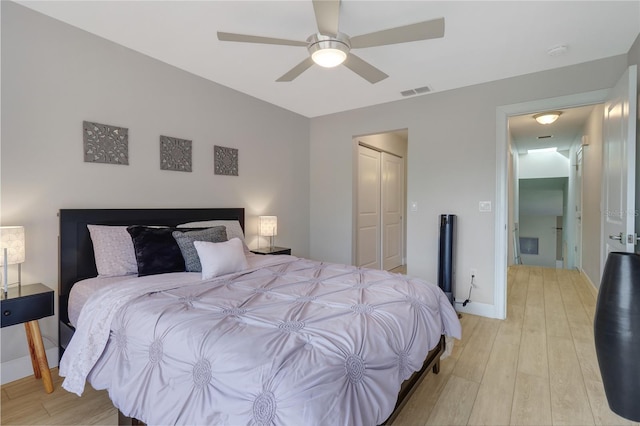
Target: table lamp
{"type": "Point", "coordinates": [268, 228]}
{"type": "Point", "coordinates": [11, 252]}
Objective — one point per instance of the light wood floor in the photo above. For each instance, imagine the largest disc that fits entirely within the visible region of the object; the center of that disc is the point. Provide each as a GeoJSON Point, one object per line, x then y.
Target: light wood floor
{"type": "Point", "coordinates": [538, 367]}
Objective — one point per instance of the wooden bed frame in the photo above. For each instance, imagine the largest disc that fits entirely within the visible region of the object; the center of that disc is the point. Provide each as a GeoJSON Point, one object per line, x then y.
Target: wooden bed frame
{"type": "Point", "coordinates": [77, 262]}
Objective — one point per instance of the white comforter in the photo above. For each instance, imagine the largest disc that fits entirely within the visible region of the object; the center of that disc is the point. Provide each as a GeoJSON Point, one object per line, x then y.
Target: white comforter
{"type": "Point", "coordinates": [296, 342]}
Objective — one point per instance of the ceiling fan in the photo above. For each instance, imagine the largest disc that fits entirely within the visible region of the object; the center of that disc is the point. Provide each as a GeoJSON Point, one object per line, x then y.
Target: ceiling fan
{"type": "Point", "coordinates": [329, 47]}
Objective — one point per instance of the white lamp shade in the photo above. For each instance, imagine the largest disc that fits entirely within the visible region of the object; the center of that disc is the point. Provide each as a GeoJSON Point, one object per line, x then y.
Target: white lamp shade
{"type": "Point", "coordinates": [268, 226]}
{"type": "Point", "coordinates": [12, 238]}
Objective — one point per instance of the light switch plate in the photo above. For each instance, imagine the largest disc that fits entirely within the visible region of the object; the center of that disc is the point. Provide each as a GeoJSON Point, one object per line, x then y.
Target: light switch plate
{"type": "Point", "coordinates": [414, 206]}
{"type": "Point", "coordinates": [485, 206]}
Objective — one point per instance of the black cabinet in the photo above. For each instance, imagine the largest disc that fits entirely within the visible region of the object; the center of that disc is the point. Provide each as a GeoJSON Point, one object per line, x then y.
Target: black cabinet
{"type": "Point", "coordinates": [274, 250]}
{"type": "Point", "coordinates": [28, 303]}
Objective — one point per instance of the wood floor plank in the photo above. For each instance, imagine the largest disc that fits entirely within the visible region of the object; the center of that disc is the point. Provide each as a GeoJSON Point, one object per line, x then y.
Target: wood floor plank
{"type": "Point", "coordinates": [585, 294]}
{"type": "Point", "coordinates": [588, 360]}
{"type": "Point", "coordinates": [574, 309]}
{"type": "Point", "coordinates": [531, 401]}
{"type": "Point", "coordinates": [495, 396]}
{"type": "Point", "coordinates": [534, 319]}
{"type": "Point", "coordinates": [533, 354]}
{"type": "Point", "coordinates": [600, 407]}
{"type": "Point", "coordinates": [569, 401]}
{"type": "Point", "coordinates": [555, 316]}
{"type": "Point", "coordinates": [473, 358]}
{"type": "Point", "coordinates": [455, 402]}
{"type": "Point", "coordinates": [420, 406]}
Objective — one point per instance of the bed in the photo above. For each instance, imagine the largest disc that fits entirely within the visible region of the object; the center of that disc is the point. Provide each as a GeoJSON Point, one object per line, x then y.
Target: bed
{"type": "Point", "coordinates": [285, 340]}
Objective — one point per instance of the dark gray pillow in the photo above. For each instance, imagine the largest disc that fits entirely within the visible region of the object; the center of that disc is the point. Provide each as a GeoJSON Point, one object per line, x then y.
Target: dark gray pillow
{"type": "Point", "coordinates": [185, 240]}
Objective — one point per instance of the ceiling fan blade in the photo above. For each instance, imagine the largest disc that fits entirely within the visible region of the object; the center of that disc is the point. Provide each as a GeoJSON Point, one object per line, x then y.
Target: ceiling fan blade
{"type": "Point", "coordinates": [327, 16]}
{"type": "Point", "coordinates": [257, 39]}
{"type": "Point", "coordinates": [414, 32]}
{"type": "Point", "coordinates": [364, 69]}
{"type": "Point", "coordinates": [296, 71]}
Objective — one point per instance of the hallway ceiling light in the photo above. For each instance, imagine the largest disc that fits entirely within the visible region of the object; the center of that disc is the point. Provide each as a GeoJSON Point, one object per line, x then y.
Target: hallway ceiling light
{"type": "Point", "coordinates": [535, 151]}
{"type": "Point", "coordinates": [547, 117]}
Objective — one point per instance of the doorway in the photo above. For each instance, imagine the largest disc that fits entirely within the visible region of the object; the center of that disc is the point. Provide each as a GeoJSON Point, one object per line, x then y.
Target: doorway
{"type": "Point", "coordinates": [504, 227]}
{"type": "Point", "coordinates": [379, 202]}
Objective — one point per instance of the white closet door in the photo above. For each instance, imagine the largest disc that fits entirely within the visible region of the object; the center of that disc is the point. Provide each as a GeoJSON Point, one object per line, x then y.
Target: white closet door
{"type": "Point", "coordinates": [368, 232]}
{"type": "Point", "coordinates": [392, 203]}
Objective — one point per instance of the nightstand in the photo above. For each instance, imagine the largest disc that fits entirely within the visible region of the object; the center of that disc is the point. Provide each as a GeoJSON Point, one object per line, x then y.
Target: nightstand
{"type": "Point", "coordinates": [26, 305]}
{"type": "Point", "coordinates": [269, 250]}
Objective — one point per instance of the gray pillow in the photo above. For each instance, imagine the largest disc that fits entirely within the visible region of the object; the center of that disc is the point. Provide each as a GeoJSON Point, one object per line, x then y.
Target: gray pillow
{"type": "Point", "coordinates": [185, 240]}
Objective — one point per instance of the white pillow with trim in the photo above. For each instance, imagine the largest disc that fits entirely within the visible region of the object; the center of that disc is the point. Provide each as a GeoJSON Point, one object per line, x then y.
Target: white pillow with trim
{"type": "Point", "coordinates": [221, 258]}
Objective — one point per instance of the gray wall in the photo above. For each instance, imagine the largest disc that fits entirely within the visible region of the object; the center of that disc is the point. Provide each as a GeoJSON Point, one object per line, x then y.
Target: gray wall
{"type": "Point", "coordinates": [54, 76]}
{"type": "Point", "coordinates": [451, 166]}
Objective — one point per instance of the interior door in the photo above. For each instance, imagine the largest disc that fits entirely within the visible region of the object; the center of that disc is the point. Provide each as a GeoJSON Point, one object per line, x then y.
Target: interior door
{"type": "Point", "coordinates": [619, 168]}
{"type": "Point", "coordinates": [392, 210]}
{"type": "Point", "coordinates": [578, 210]}
{"type": "Point", "coordinates": [368, 232]}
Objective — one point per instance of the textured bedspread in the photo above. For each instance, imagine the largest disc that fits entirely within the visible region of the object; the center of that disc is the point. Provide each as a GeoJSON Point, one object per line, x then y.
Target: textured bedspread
{"type": "Point", "coordinates": [298, 342]}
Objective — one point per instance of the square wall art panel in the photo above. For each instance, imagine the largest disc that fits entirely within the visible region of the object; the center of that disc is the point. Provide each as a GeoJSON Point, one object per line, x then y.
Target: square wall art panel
{"type": "Point", "coordinates": [225, 161]}
{"type": "Point", "coordinates": [175, 154]}
{"type": "Point", "coordinates": [105, 144]}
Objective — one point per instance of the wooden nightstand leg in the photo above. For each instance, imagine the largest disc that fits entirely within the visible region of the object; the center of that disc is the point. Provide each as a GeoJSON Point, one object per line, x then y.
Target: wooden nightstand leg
{"type": "Point", "coordinates": [38, 355]}
{"type": "Point", "coordinates": [32, 351]}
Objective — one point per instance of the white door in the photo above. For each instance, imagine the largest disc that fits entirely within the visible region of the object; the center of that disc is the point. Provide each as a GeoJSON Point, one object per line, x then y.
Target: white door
{"type": "Point", "coordinates": [368, 232]}
{"type": "Point", "coordinates": [578, 210]}
{"type": "Point", "coordinates": [619, 145]}
{"type": "Point", "coordinates": [392, 208]}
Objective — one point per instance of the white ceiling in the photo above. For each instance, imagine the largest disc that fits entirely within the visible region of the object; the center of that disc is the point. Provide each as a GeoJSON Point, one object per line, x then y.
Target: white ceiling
{"type": "Point", "coordinates": [567, 129]}
{"type": "Point", "coordinates": [484, 41]}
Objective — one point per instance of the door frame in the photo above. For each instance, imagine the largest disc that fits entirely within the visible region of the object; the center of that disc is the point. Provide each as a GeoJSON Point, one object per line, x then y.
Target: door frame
{"type": "Point", "coordinates": [503, 113]}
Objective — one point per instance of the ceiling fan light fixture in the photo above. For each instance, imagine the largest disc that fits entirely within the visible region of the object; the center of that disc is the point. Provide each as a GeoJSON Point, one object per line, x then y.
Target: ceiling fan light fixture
{"type": "Point", "coordinates": [328, 57]}
{"type": "Point", "coordinates": [547, 117]}
{"type": "Point", "coordinates": [328, 51]}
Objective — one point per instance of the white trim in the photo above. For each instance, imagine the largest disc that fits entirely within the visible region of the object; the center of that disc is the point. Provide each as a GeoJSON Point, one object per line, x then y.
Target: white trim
{"type": "Point", "coordinates": [21, 367]}
{"type": "Point", "coordinates": [593, 288]}
{"type": "Point", "coordinates": [480, 309]}
{"type": "Point", "coordinates": [502, 117]}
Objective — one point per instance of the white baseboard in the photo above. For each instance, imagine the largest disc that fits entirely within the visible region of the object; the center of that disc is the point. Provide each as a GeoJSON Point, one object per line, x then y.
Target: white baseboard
{"type": "Point", "coordinates": [480, 309]}
{"type": "Point", "coordinates": [21, 367]}
{"type": "Point", "coordinates": [594, 288]}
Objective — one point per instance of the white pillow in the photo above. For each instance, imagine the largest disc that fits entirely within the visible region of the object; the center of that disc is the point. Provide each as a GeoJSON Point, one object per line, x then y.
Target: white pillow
{"type": "Point", "coordinates": [113, 250]}
{"type": "Point", "coordinates": [221, 258]}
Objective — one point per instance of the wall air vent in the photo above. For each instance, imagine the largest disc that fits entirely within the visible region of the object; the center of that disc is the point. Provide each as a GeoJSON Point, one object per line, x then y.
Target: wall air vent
{"type": "Point", "coordinates": [545, 137]}
{"type": "Point", "coordinates": [416, 91]}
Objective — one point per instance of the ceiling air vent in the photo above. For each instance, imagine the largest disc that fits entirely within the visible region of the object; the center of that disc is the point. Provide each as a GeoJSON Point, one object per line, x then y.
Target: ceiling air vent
{"type": "Point", "coordinates": [545, 137]}
{"type": "Point", "coordinates": [417, 91]}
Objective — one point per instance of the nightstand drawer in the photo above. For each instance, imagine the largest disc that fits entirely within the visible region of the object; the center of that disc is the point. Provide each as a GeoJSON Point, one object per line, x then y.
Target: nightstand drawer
{"type": "Point", "coordinates": [35, 301]}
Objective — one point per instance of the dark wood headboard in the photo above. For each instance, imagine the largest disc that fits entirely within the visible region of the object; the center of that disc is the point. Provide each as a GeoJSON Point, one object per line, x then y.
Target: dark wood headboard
{"type": "Point", "coordinates": [77, 261]}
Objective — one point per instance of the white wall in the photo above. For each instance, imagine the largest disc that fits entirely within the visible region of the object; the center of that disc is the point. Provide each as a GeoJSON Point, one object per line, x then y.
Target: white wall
{"type": "Point", "coordinates": [452, 166]}
{"type": "Point", "coordinates": [541, 202]}
{"type": "Point", "coordinates": [592, 196]}
{"type": "Point", "coordinates": [543, 228]}
{"type": "Point", "coordinates": [543, 165]}
{"type": "Point", "coordinates": [55, 76]}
